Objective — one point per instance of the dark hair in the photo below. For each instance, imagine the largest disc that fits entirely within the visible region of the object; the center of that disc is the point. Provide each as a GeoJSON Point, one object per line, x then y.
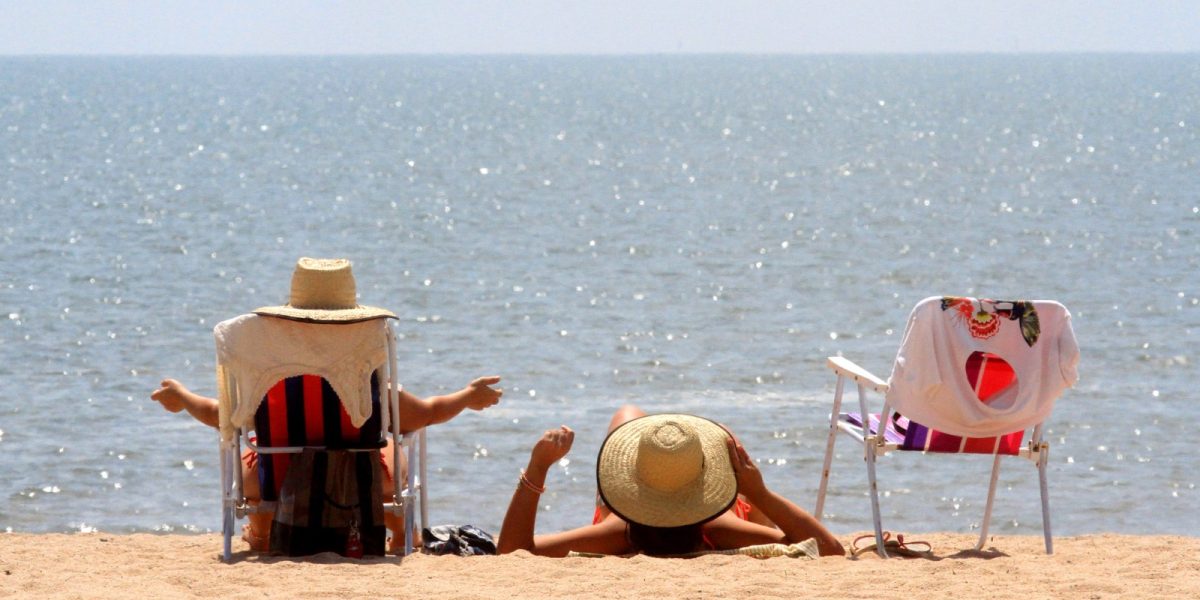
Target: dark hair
{"type": "Point", "coordinates": [665, 541]}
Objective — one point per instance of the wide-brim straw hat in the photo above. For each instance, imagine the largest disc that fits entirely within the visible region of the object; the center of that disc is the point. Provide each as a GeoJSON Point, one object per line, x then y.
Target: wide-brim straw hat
{"type": "Point", "coordinates": [667, 470]}
{"type": "Point", "coordinates": [323, 291]}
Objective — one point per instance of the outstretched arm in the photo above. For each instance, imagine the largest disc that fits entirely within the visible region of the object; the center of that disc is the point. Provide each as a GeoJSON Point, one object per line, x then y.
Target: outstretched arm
{"type": "Point", "coordinates": [795, 524]}
{"type": "Point", "coordinates": [175, 397]}
{"type": "Point", "coordinates": [416, 413]}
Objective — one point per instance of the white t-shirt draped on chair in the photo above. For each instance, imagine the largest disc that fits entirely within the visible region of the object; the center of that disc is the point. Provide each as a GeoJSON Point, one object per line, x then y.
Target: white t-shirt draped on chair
{"type": "Point", "coordinates": [929, 383]}
{"type": "Point", "coordinates": [259, 351]}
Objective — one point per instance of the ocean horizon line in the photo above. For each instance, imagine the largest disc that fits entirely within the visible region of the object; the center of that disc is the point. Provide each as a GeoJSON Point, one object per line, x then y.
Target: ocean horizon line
{"type": "Point", "coordinates": [667, 54]}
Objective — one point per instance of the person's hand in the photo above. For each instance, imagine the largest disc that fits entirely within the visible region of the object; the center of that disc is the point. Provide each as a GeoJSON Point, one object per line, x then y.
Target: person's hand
{"type": "Point", "coordinates": [554, 445]}
{"type": "Point", "coordinates": [749, 478]}
{"type": "Point", "coordinates": [480, 393]}
{"type": "Point", "coordinates": [170, 394]}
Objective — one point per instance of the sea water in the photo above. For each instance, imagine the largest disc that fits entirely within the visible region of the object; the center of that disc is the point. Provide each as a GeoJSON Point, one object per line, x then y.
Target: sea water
{"type": "Point", "coordinates": [683, 233]}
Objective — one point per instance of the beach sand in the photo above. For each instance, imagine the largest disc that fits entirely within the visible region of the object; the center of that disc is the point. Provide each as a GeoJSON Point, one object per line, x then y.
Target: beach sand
{"type": "Point", "coordinates": [100, 565]}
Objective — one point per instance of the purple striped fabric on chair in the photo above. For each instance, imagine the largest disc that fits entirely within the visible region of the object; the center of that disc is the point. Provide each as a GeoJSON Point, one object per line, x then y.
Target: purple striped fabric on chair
{"type": "Point", "coordinates": [891, 435]}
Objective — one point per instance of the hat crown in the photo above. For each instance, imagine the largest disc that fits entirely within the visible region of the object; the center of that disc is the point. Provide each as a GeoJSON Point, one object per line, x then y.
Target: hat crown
{"type": "Point", "coordinates": [670, 456]}
{"type": "Point", "coordinates": [323, 291]}
{"type": "Point", "coordinates": [323, 284]}
{"type": "Point", "coordinates": [666, 470]}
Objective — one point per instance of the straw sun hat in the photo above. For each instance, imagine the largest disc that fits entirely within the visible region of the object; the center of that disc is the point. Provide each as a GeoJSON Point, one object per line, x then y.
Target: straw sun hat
{"type": "Point", "coordinates": [666, 471]}
{"type": "Point", "coordinates": [323, 291]}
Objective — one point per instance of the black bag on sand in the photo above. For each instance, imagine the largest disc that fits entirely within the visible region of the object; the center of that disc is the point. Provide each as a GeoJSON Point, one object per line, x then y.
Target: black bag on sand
{"type": "Point", "coordinates": [459, 540]}
{"type": "Point", "coordinates": [331, 501]}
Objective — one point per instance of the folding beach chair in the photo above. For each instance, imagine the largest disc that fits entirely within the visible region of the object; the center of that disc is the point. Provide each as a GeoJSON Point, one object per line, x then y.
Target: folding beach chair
{"type": "Point", "coordinates": [970, 377]}
{"type": "Point", "coordinates": [277, 400]}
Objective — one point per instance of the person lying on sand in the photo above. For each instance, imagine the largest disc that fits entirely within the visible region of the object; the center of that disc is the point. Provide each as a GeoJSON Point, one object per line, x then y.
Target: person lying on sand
{"type": "Point", "coordinates": [668, 485]}
{"type": "Point", "coordinates": [324, 291]}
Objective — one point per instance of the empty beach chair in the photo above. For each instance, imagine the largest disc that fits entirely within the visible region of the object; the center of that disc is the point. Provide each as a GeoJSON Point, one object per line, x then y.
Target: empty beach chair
{"type": "Point", "coordinates": [971, 376]}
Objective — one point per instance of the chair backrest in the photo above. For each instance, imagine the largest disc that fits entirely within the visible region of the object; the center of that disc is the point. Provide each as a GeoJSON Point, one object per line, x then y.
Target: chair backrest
{"type": "Point", "coordinates": [305, 411]}
{"type": "Point", "coordinates": [254, 353]}
{"type": "Point", "coordinates": [990, 375]}
{"type": "Point", "coordinates": [978, 368]}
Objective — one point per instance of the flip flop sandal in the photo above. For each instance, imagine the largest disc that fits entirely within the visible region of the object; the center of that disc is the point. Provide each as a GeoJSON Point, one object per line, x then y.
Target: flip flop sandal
{"type": "Point", "coordinates": [897, 547]}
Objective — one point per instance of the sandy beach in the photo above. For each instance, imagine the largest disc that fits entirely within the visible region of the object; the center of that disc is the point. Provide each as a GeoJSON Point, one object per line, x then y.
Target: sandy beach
{"type": "Point", "coordinates": [101, 565]}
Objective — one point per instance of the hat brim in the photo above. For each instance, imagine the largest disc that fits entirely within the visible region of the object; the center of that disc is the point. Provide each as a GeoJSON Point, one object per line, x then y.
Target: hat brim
{"type": "Point", "coordinates": [310, 315]}
{"type": "Point", "coordinates": [698, 502]}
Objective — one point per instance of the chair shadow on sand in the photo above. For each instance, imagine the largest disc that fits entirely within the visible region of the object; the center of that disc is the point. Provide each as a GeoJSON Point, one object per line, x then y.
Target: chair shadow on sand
{"type": "Point", "coordinates": [322, 558]}
{"type": "Point", "coordinates": [986, 554]}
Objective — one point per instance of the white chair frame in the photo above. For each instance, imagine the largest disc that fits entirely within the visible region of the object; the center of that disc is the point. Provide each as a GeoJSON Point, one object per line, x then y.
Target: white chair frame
{"type": "Point", "coordinates": [875, 445]}
{"type": "Point", "coordinates": [234, 505]}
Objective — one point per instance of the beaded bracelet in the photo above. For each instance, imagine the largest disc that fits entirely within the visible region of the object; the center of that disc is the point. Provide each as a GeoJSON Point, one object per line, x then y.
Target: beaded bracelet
{"type": "Point", "coordinates": [529, 484]}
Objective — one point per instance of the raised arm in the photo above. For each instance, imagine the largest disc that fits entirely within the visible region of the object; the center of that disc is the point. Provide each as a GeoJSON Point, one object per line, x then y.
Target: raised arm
{"type": "Point", "coordinates": [416, 413]}
{"type": "Point", "coordinates": [516, 533]}
{"type": "Point", "coordinates": [795, 524]}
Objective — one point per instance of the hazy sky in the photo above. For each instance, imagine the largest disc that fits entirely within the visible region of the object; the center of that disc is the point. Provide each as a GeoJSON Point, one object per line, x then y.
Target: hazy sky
{"type": "Point", "coordinates": [596, 27]}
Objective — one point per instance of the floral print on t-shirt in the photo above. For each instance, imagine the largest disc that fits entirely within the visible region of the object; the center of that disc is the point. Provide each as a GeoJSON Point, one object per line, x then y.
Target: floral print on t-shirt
{"type": "Point", "coordinates": [983, 317]}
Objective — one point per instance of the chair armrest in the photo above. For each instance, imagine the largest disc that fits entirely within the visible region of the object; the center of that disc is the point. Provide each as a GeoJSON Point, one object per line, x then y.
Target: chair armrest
{"type": "Point", "coordinates": [847, 368]}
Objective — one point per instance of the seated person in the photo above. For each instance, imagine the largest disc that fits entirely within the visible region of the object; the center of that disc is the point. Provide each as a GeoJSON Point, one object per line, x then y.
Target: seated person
{"type": "Point", "coordinates": [324, 291]}
{"type": "Point", "coordinates": [668, 485]}
{"type": "Point", "coordinates": [415, 413]}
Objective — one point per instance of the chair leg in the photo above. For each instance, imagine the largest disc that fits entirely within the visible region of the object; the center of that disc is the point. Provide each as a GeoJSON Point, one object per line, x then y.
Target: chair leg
{"type": "Point", "coordinates": [227, 509]}
{"type": "Point", "coordinates": [868, 445]}
{"type": "Point", "coordinates": [869, 442]}
{"type": "Point", "coordinates": [987, 511]}
{"type": "Point", "coordinates": [421, 482]}
{"type": "Point", "coordinates": [819, 512]}
{"type": "Point", "coordinates": [1042, 460]}
{"type": "Point", "coordinates": [399, 495]}
{"type": "Point", "coordinates": [408, 502]}
{"type": "Point", "coordinates": [408, 527]}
